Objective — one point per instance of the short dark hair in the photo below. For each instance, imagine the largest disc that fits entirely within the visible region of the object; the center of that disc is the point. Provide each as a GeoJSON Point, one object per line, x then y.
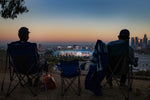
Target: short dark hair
{"type": "Point", "coordinates": [124, 34]}
{"type": "Point", "coordinates": [23, 33]}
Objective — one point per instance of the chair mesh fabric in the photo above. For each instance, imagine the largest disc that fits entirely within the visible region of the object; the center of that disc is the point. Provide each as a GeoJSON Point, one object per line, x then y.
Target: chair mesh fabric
{"type": "Point", "coordinates": [69, 68]}
{"type": "Point", "coordinates": [23, 57]}
{"type": "Point", "coordinates": [22, 61]}
{"type": "Point", "coordinates": [119, 57]}
{"type": "Point", "coordinates": [70, 73]}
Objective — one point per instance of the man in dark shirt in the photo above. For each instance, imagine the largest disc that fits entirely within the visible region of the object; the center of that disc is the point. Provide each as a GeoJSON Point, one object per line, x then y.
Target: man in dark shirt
{"type": "Point", "coordinates": [124, 35]}
{"type": "Point", "coordinates": [23, 34]}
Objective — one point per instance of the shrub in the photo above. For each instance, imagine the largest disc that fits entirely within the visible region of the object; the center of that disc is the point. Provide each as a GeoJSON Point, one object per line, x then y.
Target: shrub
{"type": "Point", "coordinates": [143, 73]}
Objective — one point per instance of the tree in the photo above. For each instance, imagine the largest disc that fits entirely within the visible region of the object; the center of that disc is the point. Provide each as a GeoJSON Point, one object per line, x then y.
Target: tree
{"type": "Point", "coordinates": [12, 8]}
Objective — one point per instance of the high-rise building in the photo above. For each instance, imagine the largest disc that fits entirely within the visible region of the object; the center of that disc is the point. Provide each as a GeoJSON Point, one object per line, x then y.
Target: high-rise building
{"type": "Point", "coordinates": [141, 41]}
{"type": "Point", "coordinates": [136, 42]}
{"type": "Point", "coordinates": [145, 41]}
{"type": "Point", "coordinates": [40, 47]}
{"type": "Point", "coordinates": [132, 42]}
{"type": "Point", "coordinates": [148, 43]}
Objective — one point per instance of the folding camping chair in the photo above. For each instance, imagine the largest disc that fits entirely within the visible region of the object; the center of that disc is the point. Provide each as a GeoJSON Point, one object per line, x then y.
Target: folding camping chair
{"type": "Point", "coordinates": [70, 72]}
{"type": "Point", "coordinates": [22, 62]}
{"type": "Point", "coordinates": [119, 65]}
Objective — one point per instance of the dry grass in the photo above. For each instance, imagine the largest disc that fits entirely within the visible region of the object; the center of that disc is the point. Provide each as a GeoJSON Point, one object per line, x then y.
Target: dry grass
{"type": "Point", "coordinates": [55, 94]}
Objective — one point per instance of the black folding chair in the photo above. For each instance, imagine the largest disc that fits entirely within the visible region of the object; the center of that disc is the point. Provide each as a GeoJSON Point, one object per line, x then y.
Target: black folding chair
{"type": "Point", "coordinates": [22, 60]}
{"type": "Point", "coordinates": [119, 69]}
{"type": "Point", "coordinates": [70, 73]}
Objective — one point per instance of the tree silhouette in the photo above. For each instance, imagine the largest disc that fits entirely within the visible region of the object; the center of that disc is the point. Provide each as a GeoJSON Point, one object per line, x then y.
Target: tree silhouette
{"type": "Point", "coordinates": [12, 8]}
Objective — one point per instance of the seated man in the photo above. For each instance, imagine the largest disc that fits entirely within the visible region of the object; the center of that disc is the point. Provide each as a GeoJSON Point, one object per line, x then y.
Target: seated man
{"type": "Point", "coordinates": [23, 34]}
{"type": "Point", "coordinates": [123, 37]}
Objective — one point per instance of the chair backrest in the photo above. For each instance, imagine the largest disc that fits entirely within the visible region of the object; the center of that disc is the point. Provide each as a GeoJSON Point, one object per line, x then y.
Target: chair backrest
{"type": "Point", "coordinates": [69, 68]}
{"type": "Point", "coordinates": [100, 55]}
{"type": "Point", "coordinates": [23, 57]}
{"type": "Point", "coordinates": [119, 56]}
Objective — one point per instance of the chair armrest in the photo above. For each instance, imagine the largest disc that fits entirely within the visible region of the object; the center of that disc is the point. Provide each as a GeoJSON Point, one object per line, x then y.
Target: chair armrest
{"type": "Point", "coordinates": [59, 67]}
{"type": "Point", "coordinates": [82, 66]}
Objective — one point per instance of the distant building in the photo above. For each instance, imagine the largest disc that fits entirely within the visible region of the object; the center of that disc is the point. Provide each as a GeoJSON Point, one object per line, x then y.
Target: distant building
{"type": "Point", "coordinates": [41, 50]}
{"type": "Point", "coordinates": [136, 42]}
{"type": "Point", "coordinates": [144, 41]}
{"type": "Point", "coordinates": [132, 42]}
{"type": "Point", "coordinates": [59, 47]}
{"type": "Point", "coordinates": [141, 41]}
{"type": "Point", "coordinates": [148, 43]}
{"type": "Point", "coordinates": [75, 47]}
{"type": "Point", "coordinates": [40, 47]}
{"type": "Point", "coordinates": [86, 47]}
{"type": "Point", "coordinates": [69, 47]}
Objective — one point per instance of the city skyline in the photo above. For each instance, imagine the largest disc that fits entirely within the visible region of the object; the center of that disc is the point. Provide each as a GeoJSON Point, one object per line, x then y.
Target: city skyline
{"type": "Point", "coordinates": [79, 20]}
{"type": "Point", "coordinates": [139, 43]}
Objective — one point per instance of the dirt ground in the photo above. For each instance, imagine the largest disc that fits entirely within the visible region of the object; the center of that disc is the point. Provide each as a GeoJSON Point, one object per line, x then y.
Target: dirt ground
{"type": "Point", "coordinates": [21, 93]}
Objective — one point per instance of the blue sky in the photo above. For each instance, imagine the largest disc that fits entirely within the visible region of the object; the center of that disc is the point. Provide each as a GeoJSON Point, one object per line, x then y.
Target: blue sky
{"type": "Point", "coordinates": [92, 8]}
{"type": "Point", "coordinates": [82, 19]}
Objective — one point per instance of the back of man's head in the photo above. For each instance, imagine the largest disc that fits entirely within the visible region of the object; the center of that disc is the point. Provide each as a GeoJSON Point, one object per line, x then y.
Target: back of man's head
{"type": "Point", "coordinates": [124, 34]}
{"type": "Point", "coordinates": [23, 34]}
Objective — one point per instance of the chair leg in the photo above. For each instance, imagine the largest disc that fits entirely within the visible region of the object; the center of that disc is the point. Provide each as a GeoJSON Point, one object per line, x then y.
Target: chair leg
{"type": "Point", "coordinates": [34, 94]}
{"type": "Point", "coordinates": [129, 83]}
{"type": "Point", "coordinates": [79, 86]}
{"type": "Point", "coordinates": [9, 90]}
{"type": "Point", "coordinates": [62, 86]}
{"type": "Point", "coordinates": [67, 84]}
{"type": "Point", "coordinates": [21, 78]}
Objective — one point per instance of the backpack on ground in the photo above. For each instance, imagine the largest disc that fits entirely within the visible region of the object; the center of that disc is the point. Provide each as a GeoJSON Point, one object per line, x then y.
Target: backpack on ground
{"type": "Point", "coordinates": [49, 81]}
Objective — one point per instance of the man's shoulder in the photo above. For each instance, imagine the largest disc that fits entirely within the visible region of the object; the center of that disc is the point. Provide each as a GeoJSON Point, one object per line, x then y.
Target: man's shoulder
{"type": "Point", "coordinates": [30, 43]}
{"type": "Point", "coordinates": [22, 43]}
{"type": "Point", "coordinates": [115, 42]}
{"type": "Point", "coordinates": [14, 42]}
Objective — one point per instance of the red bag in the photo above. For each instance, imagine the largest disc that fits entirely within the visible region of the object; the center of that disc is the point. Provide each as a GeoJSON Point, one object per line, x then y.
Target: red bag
{"type": "Point", "coordinates": [49, 81]}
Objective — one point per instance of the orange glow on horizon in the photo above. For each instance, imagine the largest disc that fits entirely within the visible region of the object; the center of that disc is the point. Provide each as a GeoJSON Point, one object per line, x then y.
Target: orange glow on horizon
{"type": "Point", "coordinates": [62, 33]}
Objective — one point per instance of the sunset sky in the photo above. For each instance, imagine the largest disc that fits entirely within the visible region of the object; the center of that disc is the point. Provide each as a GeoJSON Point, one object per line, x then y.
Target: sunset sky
{"type": "Point", "coordinates": [79, 20]}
